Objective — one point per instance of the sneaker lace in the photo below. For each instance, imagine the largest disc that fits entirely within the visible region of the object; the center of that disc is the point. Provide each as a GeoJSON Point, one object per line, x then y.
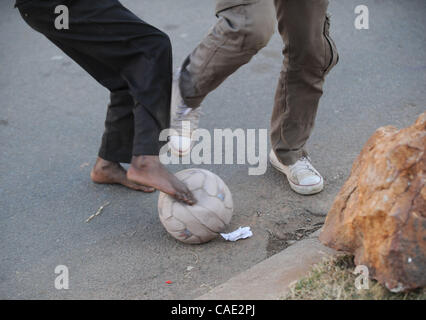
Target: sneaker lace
{"type": "Point", "coordinates": [303, 167]}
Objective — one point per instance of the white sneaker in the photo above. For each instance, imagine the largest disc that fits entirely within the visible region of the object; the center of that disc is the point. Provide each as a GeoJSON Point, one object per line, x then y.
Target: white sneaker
{"type": "Point", "coordinates": [184, 121]}
{"type": "Point", "coordinates": [302, 176]}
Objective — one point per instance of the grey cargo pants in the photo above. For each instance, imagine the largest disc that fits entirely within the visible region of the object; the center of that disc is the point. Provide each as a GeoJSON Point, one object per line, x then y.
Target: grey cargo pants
{"type": "Point", "coordinates": [242, 29]}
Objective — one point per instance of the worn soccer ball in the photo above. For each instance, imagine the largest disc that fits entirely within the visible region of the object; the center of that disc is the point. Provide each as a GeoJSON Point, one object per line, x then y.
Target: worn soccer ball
{"type": "Point", "coordinates": [203, 221]}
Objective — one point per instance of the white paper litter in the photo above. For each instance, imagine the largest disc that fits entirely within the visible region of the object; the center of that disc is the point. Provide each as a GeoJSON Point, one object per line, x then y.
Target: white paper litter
{"type": "Point", "coordinates": [240, 233]}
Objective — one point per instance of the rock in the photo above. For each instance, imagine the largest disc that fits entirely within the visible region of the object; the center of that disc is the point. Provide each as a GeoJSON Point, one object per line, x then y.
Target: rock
{"type": "Point", "coordinates": [379, 214]}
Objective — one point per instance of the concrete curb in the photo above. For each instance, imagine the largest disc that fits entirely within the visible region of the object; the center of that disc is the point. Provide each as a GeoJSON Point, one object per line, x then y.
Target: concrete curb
{"type": "Point", "coordinates": [270, 279]}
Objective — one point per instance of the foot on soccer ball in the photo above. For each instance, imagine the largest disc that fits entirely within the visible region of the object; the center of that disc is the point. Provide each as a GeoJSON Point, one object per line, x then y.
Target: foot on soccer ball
{"type": "Point", "coordinates": [184, 121]}
{"type": "Point", "coordinates": [148, 170]}
{"type": "Point", "coordinates": [108, 172]}
{"type": "Point", "coordinates": [302, 176]}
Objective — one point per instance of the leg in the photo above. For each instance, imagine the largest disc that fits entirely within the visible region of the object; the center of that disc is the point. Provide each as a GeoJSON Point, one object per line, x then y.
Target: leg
{"type": "Point", "coordinates": [117, 139]}
{"type": "Point", "coordinates": [117, 142]}
{"type": "Point", "coordinates": [240, 32]}
{"type": "Point", "coordinates": [107, 32]}
{"type": "Point", "coordinates": [243, 28]}
{"type": "Point", "coordinates": [309, 55]}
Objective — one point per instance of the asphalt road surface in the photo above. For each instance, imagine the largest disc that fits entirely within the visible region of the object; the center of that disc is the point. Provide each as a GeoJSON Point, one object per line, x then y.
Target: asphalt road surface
{"type": "Point", "coordinates": [51, 121]}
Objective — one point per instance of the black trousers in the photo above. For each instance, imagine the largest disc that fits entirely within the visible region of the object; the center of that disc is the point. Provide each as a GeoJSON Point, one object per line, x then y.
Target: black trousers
{"type": "Point", "coordinates": [131, 58]}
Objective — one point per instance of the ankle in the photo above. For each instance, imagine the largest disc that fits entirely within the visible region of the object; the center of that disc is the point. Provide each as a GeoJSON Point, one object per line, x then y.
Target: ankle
{"type": "Point", "coordinates": [102, 164]}
{"type": "Point", "coordinates": [141, 162]}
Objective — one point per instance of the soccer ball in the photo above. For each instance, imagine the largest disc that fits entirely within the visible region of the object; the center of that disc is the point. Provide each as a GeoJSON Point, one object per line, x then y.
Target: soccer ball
{"type": "Point", "coordinates": [203, 221]}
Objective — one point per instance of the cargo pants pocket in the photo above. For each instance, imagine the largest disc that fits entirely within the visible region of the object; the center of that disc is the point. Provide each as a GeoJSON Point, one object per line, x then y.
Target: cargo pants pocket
{"type": "Point", "coordinates": [331, 56]}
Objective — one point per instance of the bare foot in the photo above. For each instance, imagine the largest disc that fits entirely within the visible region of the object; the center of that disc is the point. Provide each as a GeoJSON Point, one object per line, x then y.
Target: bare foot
{"type": "Point", "coordinates": [113, 173]}
{"type": "Point", "coordinates": [148, 170]}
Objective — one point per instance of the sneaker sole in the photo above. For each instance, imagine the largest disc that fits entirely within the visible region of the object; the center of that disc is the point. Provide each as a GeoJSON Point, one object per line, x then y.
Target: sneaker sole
{"type": "Point", "coordinates": [304, 190]}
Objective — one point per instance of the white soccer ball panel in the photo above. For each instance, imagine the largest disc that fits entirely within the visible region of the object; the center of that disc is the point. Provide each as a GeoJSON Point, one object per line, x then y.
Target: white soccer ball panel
{"type": "Point", "coordinates": [181, 213]}
{"type": "Point", "coordinates": [193, 179]}
{"type": "Point", "coordinates": [207, 218]}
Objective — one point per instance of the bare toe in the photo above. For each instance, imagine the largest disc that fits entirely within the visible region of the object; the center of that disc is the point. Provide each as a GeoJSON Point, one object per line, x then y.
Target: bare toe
{"type": "Point", "coordinates": [186, 198]}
